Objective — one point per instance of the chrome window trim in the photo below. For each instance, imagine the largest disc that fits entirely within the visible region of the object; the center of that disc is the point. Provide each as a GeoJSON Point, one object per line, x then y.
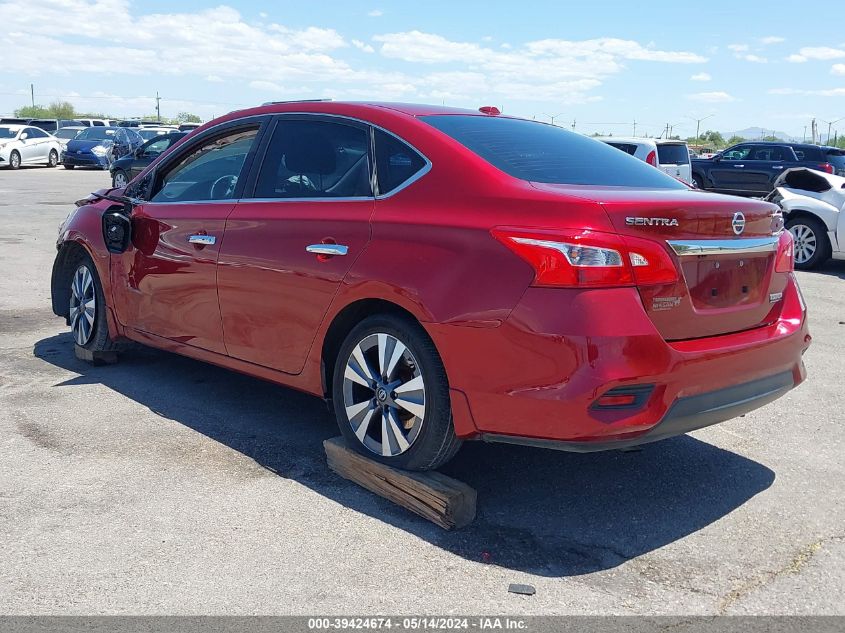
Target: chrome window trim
{"type": "Point", "coordinates": [337, 199]}
{"type": "Point", "coordinates": [687, 248]}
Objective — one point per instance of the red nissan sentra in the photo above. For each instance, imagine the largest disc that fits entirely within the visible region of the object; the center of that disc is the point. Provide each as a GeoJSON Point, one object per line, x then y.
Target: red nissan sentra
{"type": "Point", "coordinates": [441, 275]}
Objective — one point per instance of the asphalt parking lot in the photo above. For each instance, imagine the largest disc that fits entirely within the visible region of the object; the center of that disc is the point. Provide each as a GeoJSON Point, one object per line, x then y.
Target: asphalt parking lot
{"type": "Point", "coordinates": [163, 485]}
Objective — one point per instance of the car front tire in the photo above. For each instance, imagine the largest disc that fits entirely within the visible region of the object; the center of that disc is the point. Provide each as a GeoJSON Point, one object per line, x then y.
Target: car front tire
{"type": "Point", "coordinates": [53, 159]}
{"type": "Point", "coordinates": [391, 395]}
{"type": "Point", "coordinates": [14, 160]}
{"type": "Point", "coordinates": [119, 179]}
{"type": "Point", "coordinates": [87, 309]}
{"type": "Point", "coordinates": [66, 166]}
{"type": "Point", "coordinates": [698, 181]}
{"type": "Point", "coordinates": [812, 246]}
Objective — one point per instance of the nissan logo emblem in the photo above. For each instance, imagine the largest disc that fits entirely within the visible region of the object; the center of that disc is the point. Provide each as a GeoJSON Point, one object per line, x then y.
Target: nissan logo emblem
{"type": "Point", "coordinates": [738, 222]}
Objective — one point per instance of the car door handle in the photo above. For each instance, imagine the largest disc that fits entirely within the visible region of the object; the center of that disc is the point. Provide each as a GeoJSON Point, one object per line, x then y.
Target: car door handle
{"type": "Point", "coordinates": [204, 240]}
{"type": "Point", "coordinates": [777, 166]}
{"type": "Point", "coordinates": [328, 249]}
{"type": "Point", "coordinates": [739, 165]}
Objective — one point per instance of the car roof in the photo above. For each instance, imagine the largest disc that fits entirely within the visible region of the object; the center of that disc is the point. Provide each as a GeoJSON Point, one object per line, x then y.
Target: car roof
{"type": "Point", "coordinates": [628, 139]}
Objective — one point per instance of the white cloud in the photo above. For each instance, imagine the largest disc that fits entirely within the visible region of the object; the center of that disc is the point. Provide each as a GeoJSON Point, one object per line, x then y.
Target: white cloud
{"type": "Point", "coordinates": [771, 39]}
{"type": "Point", "coordinates": [363, 46]}
{"type": "Point", "coordinates": [817, 52]}
{"type": "Point", "coordinates": [738, 48]}
{"type": "Point", "coordinates": [375, 13]}
{"type": "Point", "coordinates": [754, 58]}
{"type": "Point", "coordinates": [711, 97]}
{"type": "Point", "coordinates": [701, 77]}
{"type": "Point", "coordinates": [831, 92]}
{"type": "Point", "coordinates": [214, 79]}
{"type": "Point", "coordinates": [837, 69]}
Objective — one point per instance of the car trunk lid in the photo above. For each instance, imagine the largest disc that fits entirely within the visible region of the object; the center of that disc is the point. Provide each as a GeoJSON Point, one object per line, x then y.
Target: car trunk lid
{"type": "Point", "coordinates": [724, 250]}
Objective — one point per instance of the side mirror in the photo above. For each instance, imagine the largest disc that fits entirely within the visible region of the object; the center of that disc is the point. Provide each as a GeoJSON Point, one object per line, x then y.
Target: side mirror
{"type": "Point", "coordinates": [24, 136]}
{"type": "Point", "coordinates": [717, 158]}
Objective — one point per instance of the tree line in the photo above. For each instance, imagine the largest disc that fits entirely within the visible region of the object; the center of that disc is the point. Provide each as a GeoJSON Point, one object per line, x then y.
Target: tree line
{"type": "Point", "coordinates": [66, 110]}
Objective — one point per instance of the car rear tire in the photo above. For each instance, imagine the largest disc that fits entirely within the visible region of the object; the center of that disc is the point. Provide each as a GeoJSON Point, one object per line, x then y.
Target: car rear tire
{"type": "Point", "coordinates": [14, 160]}
{"type": "Point", "coordinates": [87, 310]}
{"type": "Point", "coordinates": [391, 395]}
{"type": "Point", "coordinates": [53, 159]}
{"type": "Point", "coordinates": [119, 179]}
{"type": "Point", "coordinates": [697, 181]}
{"type": "Point", "coordinates": [66, 166]}
{"type": "Point", "coordinates": [812, 246]}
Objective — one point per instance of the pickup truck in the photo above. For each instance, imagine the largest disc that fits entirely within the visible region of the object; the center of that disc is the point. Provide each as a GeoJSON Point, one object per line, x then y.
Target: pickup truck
{"type": "Point", "coordinates": [751, 168]}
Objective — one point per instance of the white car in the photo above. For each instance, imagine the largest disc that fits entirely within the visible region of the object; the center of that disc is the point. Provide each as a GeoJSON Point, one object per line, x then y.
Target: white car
{"type": "Point", "coordinates": [27, 145]}
{"type": "Point", "coordinates": [65, 134]}
{"type": "Point", "coordinates": [669, 156]}
{"type": "Point", "coordinates": [813, 205]}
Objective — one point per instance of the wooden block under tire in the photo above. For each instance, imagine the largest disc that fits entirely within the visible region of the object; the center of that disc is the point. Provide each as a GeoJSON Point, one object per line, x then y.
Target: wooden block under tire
{"type": "Point", "coordinates": [445, 501]}
{"type": "Point", "coordinates": [97, 358]}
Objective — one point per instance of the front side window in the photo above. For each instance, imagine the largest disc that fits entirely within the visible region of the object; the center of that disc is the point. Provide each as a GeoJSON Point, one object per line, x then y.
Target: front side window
{"type": "Point", "coordinates": [739, 152]}
{"type": "Point", "coordinates": [209, 171]}
{"type": "Point", "coordinates": [34, 132]}
{"type": "Point", "coordinates": [396, 163]}
{"type": "Point", "coordinates": [538, 152]}
{"type": "Point", "coordinates": [316, 159]}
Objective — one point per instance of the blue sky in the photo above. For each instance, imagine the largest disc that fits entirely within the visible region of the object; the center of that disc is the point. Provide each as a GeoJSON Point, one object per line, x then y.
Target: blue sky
{"type": "Point", "coordinates": [601, 64]}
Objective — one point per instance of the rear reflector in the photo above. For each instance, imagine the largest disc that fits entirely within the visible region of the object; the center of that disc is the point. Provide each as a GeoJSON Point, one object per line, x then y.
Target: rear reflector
{"type": "Point", "coordinates": [628, 397]}
{"type": "Point", "coordinates": [589, 258]}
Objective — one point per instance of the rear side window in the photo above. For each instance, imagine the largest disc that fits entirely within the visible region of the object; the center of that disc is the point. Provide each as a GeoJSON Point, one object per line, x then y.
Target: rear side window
{"type": "Point", "coordinates": [538, 152]}
{"type": "Point", "coordinates": [628, 148]}
{"type": "Point", "coordinates": [316, 159]}
{"type": "Point", "coordinates": [672, 154]}
{"type": "Point", "coordinates": [809, 153]}
{"type": "Point", "coordinates": [396, 162]}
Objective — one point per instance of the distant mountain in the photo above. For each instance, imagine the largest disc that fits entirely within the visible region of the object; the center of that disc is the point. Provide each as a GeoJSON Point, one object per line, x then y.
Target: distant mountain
{"type": "Point", "coordinates": [752, 133]}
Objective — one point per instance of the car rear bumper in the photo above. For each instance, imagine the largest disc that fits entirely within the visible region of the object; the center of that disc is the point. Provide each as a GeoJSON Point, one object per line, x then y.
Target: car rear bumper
{"type": "Point", "coordinates": [537, 378]}
{"type": "Point", "coordinates": [685, 415]}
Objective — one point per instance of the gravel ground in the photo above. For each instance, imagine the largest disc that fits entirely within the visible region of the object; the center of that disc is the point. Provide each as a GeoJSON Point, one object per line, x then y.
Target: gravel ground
{"type": "Point", "coordinates": [162, 485]}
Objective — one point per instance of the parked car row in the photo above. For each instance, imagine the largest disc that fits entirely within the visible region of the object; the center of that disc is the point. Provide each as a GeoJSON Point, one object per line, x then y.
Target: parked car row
{"type": "Point", "coordinates": [78, 146]}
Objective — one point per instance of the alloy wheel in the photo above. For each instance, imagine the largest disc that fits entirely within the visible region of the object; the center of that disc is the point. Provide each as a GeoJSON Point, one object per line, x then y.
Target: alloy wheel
{"type": "Point", "coordinates": [83, 305]}
{"type": "Point", "coordinates": [805, 242]}
{"type": "Point", "coordinates": [384, 394]}
{"type": "Point", "coordinates": [119, 180]}
{"type": "Point", "coordinates": [15, 160]}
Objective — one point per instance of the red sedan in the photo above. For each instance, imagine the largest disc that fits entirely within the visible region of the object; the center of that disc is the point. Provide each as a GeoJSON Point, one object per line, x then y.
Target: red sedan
{"type": "Point", "coordinates": [442, 275]}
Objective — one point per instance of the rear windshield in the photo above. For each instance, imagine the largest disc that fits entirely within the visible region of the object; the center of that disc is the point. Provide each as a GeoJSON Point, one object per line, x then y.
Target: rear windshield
{"type": "Point", "coordinates": [672, 154]}
{"type": "Point", "coordinates": [836, 157]}
{"type": "Point", "coordinates": [538, 152]}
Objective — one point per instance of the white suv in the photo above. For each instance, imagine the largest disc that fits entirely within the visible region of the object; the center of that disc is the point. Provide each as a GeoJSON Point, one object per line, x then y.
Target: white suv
{"type": "Point", "coordinates": [669, 156]}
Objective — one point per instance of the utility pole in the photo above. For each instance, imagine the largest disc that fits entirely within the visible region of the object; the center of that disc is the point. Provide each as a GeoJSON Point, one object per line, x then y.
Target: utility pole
{"type": "Point", "coordinates": [635, 127]}
{"type": "Point", "coordinates": [32, 93]}
{"type": "Point", "coordinates": [158, 107]}
{"type": "Point", "coordinates": [573, 125]}
{"type": "Point", "coordinates": [804, 139]}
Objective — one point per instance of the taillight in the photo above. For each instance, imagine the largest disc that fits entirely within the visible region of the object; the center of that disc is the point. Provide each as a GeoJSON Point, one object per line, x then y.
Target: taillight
{"type": "Point", "coordinates": [589, 259]}
{"type": "Point", "coordinates": [785, 260]}
{"type": "Point", "coordinates": [827, 168]}
{"type": "Point", "coordinates": [651, 159]}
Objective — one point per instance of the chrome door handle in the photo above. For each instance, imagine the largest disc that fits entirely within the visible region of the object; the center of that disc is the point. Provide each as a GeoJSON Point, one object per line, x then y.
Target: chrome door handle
{"type": "Point", "coordinates": [205, 240]}
{"type": "Point", "coordinates": [739, 165]}
{"type": "Point", "coordinates": [328, 249]}
{"type": "Point", "coordinates": [777, 166]}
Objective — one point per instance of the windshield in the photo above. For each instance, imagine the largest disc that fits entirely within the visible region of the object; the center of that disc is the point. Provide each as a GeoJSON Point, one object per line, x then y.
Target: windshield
{"type": "Point", "coordinates": [96, 134]}
{"type": "Point", "coordinates": [66, 132]}
{"type": "Point", "coordinates": [8, 132]}
{"type": "Point", "coordinates": [538, 152]}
